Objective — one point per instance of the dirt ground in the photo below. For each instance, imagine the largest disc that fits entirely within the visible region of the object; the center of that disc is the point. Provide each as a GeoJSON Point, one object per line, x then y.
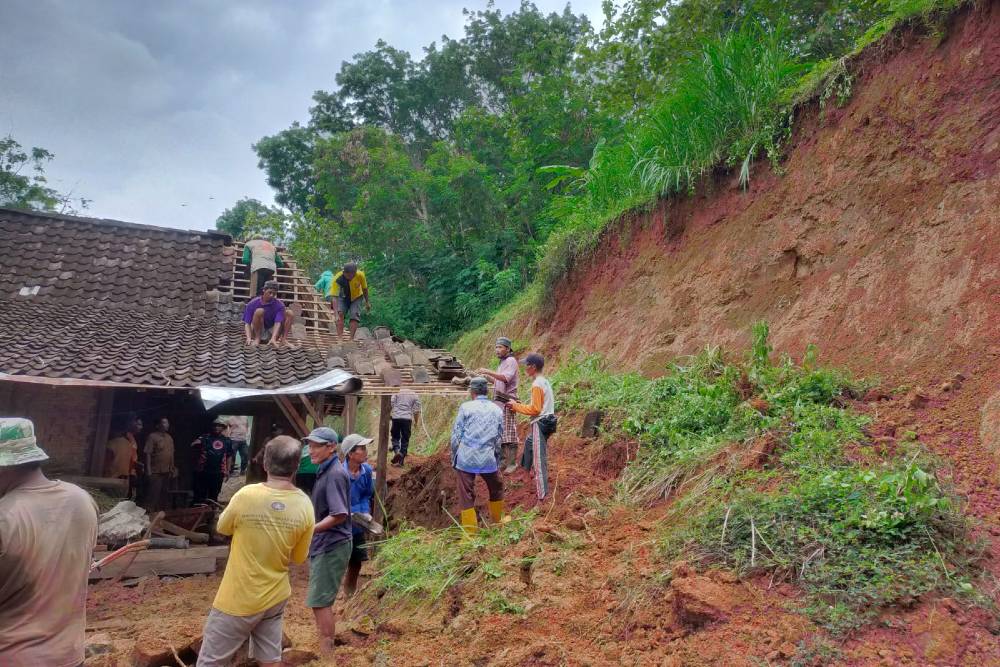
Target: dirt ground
{"type": "Point", "coordinates": [879, 243]}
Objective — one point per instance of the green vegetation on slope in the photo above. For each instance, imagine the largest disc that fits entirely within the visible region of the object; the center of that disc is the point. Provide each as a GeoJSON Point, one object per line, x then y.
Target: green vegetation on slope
{"type": "Point", "coordinates": [773, 473]}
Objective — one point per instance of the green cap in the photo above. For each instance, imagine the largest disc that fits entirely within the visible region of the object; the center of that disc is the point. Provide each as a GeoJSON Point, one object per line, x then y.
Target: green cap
{"type": "Point", "coordinates": [17, 442]}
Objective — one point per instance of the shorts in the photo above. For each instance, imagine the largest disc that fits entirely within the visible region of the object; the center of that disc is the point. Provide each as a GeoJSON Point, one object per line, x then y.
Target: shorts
{"type": "Point", "coordinates": [359, 553]}
{"type": "Point", "coordinates": [326, 571]}
{"type": "Point", "coordinates": [351, 311]}
{"type": "Point", "coordinates": [225, 634]}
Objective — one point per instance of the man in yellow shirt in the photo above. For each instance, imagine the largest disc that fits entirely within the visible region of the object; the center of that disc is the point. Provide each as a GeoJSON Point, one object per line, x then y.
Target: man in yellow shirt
{"type": "Point", "coordinates": [272, 526]}
{"type": "Point", "coordinates": [349, 287]}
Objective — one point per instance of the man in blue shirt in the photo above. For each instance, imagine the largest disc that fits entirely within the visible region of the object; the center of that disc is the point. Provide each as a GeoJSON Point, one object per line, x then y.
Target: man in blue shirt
{"type": "Point", "coordinates": [330, 549]}
{"type": "Point", "coordinates": [354, 452]}
{"type": "Point", "coordinates": [475, 438]}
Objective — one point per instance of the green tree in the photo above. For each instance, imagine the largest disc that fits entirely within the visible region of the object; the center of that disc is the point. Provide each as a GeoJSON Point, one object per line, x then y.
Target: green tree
{"type": "Point", "coordinates": [250, 217]}
{"type": "Point", "coordinates": [23, 183]}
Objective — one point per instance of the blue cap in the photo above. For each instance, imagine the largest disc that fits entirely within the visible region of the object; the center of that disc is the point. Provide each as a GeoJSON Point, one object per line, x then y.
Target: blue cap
{"type": "Point", "coordinates": [324, 435]}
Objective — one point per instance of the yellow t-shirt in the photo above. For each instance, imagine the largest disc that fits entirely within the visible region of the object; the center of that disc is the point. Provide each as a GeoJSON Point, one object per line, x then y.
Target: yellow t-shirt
{"type": "Point", "coordinates": [358, 285]}
{"type": "Point", "coordinates": [270, 529]}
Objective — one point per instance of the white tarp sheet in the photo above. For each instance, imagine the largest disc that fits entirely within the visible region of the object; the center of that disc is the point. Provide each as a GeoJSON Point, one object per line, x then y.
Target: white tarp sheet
{"type": "Point", "coordinates": [337, 380]}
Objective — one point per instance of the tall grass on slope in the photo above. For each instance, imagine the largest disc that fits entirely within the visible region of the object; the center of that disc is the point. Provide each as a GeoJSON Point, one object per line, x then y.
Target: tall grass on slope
{"type": "Point", "coordinates": [771, 472]}
{"type": "Point", "coordinates": [724, 110]}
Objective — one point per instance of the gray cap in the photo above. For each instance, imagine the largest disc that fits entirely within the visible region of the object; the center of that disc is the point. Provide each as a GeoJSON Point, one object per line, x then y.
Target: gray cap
{"type": "Point", "coordinates": [478, 385]}
{"type": "Point", "coordinates": [352, 441]}
{"type": "Point", "coordinates": [323, 435]}
{"type": "Point", "coordinates": [503, 340]}
{"type": "Point", "coordinates": [17, 442]}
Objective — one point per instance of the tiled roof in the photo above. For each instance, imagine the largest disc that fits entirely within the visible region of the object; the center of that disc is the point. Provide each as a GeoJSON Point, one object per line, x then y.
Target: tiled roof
{"type": "Point", "coordinates": [118, 302]}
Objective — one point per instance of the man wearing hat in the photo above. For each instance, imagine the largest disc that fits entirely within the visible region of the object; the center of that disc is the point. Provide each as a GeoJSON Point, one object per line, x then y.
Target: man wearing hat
{"type": "Point", "coordinates": [504, 390]}
{"type": "Point", "coordinates": [47, 535]}
{"type": "Point", "coordinates": [354, 453]}
{"type": "Point", "coordinates": [474, 441]}
{"type": "Point", "coordinates": [211, 455]}
{"type": "Point", "coordinates": [265, 318]}
{"type": "Point", "coordinates": [331, 545]}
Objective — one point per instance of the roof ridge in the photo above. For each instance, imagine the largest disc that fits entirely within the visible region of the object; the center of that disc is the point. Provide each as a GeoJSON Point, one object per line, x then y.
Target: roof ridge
{"type": "Point", "coordinates": [212, 233]}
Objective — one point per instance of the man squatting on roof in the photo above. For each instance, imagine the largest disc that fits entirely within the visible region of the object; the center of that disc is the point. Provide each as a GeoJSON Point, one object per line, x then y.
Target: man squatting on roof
{"type": "Point", "coordinates": [265, 318]}
{"type": "Point", "coordinates": [475, 438]}
{"type": "Point", "coordinates": [505, 389]}
{"type": "Point", "coordinates": [47, 534]}
{"type": "Point", "coordinates": [271, 524]}
{"type": "Point", "coordinates": [543, 424]}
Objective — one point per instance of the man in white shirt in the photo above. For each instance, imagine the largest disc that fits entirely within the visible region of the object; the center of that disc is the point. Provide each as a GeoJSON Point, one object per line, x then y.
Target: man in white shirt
{"type": "Point", "coordinates": [405, 413]}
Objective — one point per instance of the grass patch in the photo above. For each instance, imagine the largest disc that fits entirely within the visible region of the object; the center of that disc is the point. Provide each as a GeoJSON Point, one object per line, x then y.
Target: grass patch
{"type": "Point", "coordinates": [758, 451]}
{"type": "Point", "coordinates": [416, 566]}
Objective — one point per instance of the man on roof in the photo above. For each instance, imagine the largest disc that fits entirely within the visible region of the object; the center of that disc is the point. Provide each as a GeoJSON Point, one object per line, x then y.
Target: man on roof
{"type": "Point", "coordinates": [349, 287]}
{"type": "Point", "coordinates": [265, 318]}
{"type": "Point", "coordinates": [263, 259]}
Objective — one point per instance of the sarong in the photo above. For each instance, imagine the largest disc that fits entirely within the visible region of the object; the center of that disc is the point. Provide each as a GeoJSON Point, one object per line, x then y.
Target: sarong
{"type": "Point", "coordinates": [509, 434]}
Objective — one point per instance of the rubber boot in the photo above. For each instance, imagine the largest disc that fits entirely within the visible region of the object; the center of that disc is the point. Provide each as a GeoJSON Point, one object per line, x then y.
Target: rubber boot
{"type": "Point", "coordinates": [497, 513]}
{"type": "Point", "coordinates": [469, 522]}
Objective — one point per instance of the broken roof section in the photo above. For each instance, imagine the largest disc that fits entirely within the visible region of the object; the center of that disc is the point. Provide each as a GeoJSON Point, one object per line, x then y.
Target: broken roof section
{"type": "Point", "coordinates": [109, 303]}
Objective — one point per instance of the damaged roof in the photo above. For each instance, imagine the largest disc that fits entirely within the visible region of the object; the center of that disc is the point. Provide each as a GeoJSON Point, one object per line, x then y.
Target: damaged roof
{"type": "Point", "coordinates": [110, 301]}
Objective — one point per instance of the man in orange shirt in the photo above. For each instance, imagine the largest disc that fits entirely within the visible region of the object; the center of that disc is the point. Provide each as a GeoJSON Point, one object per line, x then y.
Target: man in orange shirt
{"type": "Point", "coordinates": [543, 423]}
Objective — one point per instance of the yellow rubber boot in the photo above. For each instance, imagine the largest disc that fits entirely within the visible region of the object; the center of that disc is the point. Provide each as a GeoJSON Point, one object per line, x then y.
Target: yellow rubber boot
{"type": "Point", "coordinates": [497, 513]}
{"type": "Point", "coordinates": [469, 523]}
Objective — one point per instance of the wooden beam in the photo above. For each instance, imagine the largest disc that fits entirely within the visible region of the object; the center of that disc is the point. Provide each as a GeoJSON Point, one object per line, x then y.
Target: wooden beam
{"type": "Point", "coordinates": [291, 415]}
{"type": "Point", "coordinates": [197, 560]}
{"type": "Point", "coordinates": [350, 413]}
{"type": "Point", "coordinates": [311, 409]}
{"type": "Point", "coordinates": [105, 405]}
{"type": "Point", "coordinates": [382, 464]}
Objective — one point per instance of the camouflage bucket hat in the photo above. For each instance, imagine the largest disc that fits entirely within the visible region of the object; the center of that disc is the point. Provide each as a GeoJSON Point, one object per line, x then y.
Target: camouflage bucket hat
{"type": "Point", "coordinates": [17, 442]}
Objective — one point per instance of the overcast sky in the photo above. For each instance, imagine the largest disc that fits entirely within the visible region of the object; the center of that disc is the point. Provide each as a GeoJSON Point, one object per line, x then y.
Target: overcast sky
{"type": "Point", "coordinates": [151, 107]}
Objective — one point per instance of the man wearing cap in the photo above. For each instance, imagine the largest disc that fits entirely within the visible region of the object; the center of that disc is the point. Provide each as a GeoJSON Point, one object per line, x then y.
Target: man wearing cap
{"type": "Point", "coordinates": [47, 534]}
{"type": "Point", "coordinates": [263, 260]}
{"type": "Point", "coordinates": [271, 525]}
{"type": "Point", "coordinates": [474, 441]}
{"type": "Point", "coordinates": [265, 318]}
{"type": "Point", "coordinates": [211, 453]}
{"type": "Point", "coordinates": [331, 545]}
{"type": "Point", "coordinates": [354, 452]}
{"type": "Point", "coordinates": [349, 286]}
{"type": "Point", "coordinates": [543, 423]}
{"type": "Point", "coordinates": [505, 389]}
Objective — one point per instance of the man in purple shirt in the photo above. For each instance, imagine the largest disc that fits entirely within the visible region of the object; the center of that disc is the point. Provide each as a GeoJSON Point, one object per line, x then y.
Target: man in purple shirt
{"type": "Point", "coordinates": [505, 389]}
{"type": "Point", "coordinates": [265, 318]}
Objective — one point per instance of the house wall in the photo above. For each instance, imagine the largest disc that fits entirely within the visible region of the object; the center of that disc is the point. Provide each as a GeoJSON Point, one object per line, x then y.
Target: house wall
{"type": "Point", "coordinates": [65, 420]}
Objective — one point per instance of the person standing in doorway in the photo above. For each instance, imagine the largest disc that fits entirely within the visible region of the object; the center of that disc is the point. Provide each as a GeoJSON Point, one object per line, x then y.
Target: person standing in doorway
{"type": "Point", "coordinates": [48, 530]}
{"type": "Point", "coordinates": [271, 525]}
{"type": "Point", "coordinates": [475, 438]}
{"type": "Point", "coordinates": [504, 390]}
{"type": "Point", "coordinates": [354, 452]}
{"type": "Point", "coordinates": [159, 453]}
{"type": "Point", "coordinates": [543, 423]}
{"type": "Point", "coordinates": [263, 260]}
{"type": "Point", "coordinates": [349, 287]}
{"type": "Point", "coordinates": [238, 432]}
{"type": "Point", "coordinates": [121, 459]}
{"type": "Point", "coordinates": [211, 454]}
{"type": "Point", "coordinates": [405, 415]}
{"type": "Point", "coordinates": [331, 546]}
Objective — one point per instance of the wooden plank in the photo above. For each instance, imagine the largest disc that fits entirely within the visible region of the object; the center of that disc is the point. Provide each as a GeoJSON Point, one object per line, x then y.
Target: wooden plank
{"type": "Point", "coordinates": [311, 409]}
{"type": "Point", "coordinates": [292, 415]}
{"type": "Point", "coordinates": [200, 565]}
{"type": "Point", "coordinates": [382, 464]}
{"type": "Point", "coordinates": [105, 406]}
{"type": "Point", "coordinates": [350, 414]}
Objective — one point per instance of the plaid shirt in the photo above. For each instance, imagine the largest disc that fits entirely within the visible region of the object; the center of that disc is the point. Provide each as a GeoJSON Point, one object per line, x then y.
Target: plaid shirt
{"type": "Point", "coordinates": [476, 436]}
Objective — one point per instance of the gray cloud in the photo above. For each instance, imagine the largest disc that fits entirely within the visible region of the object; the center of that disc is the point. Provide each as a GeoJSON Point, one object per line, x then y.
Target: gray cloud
{"type": "Point", "coordinates": [148, 106]}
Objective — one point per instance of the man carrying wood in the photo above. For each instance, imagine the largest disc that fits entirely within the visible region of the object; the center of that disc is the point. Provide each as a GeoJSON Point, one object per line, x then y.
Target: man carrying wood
{"type": "Point", "coordinates": [271, 525]}
{"type": "Point", "coordinates": [47, 535]}
{"type": "Point", "coordinates": [474, 441]}
{"type": "Point", "coordinates": [159, 453]}
{"type": "Point", "coordinates": [265, 318]}
{"type": "Point", "coordinates": [349, 286]}
{"type": "Point", "coordinates": [504, 390]}
{"type": "Point", "coordinates": [332, 541]}
{"type": "Point", "coordinates": [263, 261]}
